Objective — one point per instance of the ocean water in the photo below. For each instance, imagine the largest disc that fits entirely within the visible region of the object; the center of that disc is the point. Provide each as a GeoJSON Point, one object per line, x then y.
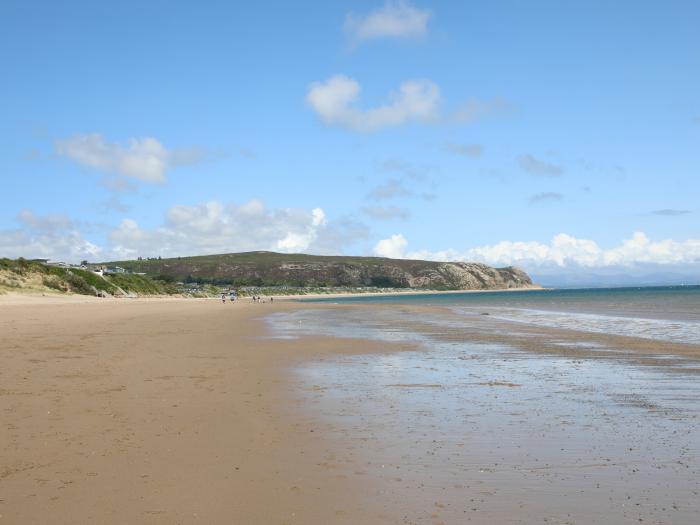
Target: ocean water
{"type": "Point", "coordinates": [668, 313]}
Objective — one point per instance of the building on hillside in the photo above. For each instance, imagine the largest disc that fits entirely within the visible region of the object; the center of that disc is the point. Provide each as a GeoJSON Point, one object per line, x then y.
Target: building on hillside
{"type": "Point", "coordinates": [59, 264]}
{"type": "Point", "coordinates": [115, 269]}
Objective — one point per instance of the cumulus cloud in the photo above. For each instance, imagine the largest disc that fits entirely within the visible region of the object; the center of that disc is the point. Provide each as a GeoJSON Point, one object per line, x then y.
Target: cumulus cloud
{"type": "Point", "coordinates": [297, 241]}
{"type": "Point", "coordinates": [393, 20]}
{"type": "Point", "coordinates": [215, 227]}
{"type": "Point", "coordinates": [537, 166]}
{"type": "Point", "coordinates": [145, 159]}
{"type": "Point", "coordinates": [338, 235]}
{"type": "Point", "coordinates": [465, 150]}
{"type": "Point", "coordinates": [547, 196]}
{"type": "Point", "coordinates": [207, 228]}
{"type": "Point", "coordinates": [53, 237]}
{"type": "Point", "coordinates": [393, 247]}
{"type": "Point", "coordinates": [386, 213]}
{"type": "Point", "coordinates": [566, 251]}
{"type": "Point", "coordinates": [334, 101]}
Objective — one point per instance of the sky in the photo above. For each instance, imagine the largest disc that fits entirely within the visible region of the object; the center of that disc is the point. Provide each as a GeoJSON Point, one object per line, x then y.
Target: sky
{"type": "Point", "coordinates": [561, 137]}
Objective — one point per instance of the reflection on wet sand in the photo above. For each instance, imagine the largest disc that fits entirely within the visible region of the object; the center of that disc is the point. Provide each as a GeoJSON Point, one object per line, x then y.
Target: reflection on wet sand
{"type": "Point", "coordinates": [495, 422]}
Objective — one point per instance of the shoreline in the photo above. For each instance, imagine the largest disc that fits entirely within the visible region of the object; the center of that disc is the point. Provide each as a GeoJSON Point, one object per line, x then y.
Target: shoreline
{"type": "Point", "coordinates": [408, 292]}
{"type": "Point", "coordinates": [17, 298]}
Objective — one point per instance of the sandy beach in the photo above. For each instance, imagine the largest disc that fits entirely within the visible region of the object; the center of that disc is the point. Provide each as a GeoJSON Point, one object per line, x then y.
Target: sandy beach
{"type": "Point", "coordinates": [157, 412]}
{"type": "Point", "coordinates": [390, 262]}
{"type": "Point", "coordinates": [190, 411]}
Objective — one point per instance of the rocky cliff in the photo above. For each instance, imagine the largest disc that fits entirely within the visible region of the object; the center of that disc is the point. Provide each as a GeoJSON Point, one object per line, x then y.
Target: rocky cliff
{"type": "Point", "coordinates": [276, 269]}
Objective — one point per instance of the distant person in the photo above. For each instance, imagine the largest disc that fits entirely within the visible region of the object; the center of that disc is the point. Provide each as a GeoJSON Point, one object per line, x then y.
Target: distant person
{"type": "Point", "coordinates": [223, 298]}
{"type": "Point", "coordinates": [272, 299]}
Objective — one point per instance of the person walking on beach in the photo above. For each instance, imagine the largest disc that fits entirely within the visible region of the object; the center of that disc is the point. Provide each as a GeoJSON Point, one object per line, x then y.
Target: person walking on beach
{"type": "Point", "coordinates": [223, 298]}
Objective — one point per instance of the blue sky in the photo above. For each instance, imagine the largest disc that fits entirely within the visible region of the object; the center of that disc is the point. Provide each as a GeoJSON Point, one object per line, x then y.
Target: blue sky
{"type": "Point", "coordinates": [560, 136]}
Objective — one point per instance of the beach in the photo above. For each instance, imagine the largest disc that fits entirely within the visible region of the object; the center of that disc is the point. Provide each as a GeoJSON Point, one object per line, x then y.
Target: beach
{"type": "Point", "coordinates": [185, 411]}
{"type": "Point", "coordinates": [155, 412]}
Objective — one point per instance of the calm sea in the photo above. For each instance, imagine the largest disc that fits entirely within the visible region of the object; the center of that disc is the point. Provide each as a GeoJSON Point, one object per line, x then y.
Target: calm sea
{"type": "Point", "coordinates": [670, 313]}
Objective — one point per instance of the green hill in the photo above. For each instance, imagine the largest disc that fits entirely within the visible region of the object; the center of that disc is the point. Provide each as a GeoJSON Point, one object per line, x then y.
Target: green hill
{"type": "Point", "coordinates": [270, 269]}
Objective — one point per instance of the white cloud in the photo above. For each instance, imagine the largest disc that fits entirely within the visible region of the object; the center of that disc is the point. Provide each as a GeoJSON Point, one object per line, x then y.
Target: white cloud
{"type": "Point", "coordinates": [46, 237]}
{"type": "Point", "coordinates": [300, 241]}
{"type": "Point", "coordinates": [393, 247]}
{"type": "Point", "coordinates": [394, 20]}
{"type": "Point", "coordinates": [202, 229]}
{"type": "Point", "coordinates": [566, 251]}
{"type": "Point", "coordinates": [640, 249]}
{"type": "Point", "coordinates": [214, 227]}
{"type": "Point", "coordinates": [334, 102]}
{"type": "Point", "coordinates": [145, 159]}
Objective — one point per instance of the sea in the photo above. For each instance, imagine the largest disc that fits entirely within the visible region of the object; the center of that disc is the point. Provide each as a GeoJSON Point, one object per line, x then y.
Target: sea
{"type": "Point", "coordinates": [667, 313]}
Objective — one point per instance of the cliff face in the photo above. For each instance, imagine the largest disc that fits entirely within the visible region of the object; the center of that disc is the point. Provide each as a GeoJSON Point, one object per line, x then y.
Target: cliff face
{"type": "Point", "coordinates": [470, 276]}
{"type": "Point", "coordinates": [274, 269]}
{"type": "Point", "coordinates": [403, 274]}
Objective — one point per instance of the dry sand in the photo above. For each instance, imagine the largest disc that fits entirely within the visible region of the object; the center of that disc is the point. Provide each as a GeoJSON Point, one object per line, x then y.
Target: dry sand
{"type": "Point", "coordinates": [181, 411]}
{"type": "Point", "coordinates": [158, 412]}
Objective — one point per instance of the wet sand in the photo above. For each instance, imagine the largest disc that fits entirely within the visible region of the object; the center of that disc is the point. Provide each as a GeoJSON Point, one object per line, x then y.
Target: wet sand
{"type": "Point", "coordinates": [492, 422]}
{"type": "Point", "coordinates": [192, 411]}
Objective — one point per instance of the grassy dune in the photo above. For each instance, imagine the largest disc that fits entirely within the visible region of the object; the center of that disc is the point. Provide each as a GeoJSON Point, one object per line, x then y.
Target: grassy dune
{"type": "Point", "coordinates": [20, 275]}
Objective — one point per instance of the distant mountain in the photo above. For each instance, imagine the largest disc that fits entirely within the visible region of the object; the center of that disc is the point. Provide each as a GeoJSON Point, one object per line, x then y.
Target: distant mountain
{"type": "Point", "coordinates": [638, 275]}
{"type": "Point", "coordinates": [281, 269]}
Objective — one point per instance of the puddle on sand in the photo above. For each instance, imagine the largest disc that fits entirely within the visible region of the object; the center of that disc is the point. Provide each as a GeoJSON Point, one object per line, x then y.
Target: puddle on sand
{"type": "Point", "coordinates": [459, 431]}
